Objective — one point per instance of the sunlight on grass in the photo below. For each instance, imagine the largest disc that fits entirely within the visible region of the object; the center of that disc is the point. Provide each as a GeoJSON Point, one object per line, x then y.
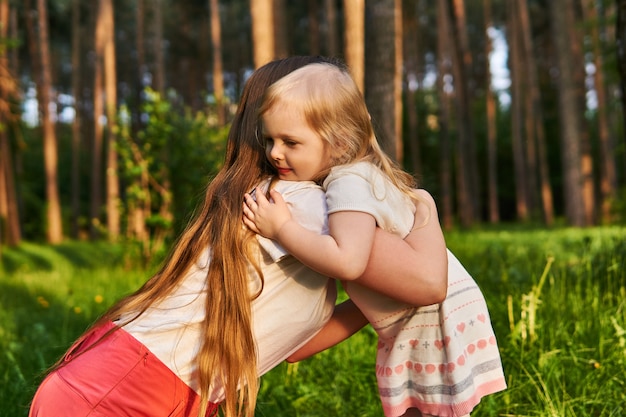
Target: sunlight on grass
{"type": "Point", "coordinates": [557, 301]}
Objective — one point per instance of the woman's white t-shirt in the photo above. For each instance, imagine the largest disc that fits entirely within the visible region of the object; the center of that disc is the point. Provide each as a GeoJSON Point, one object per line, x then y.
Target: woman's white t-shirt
{"type": "Point", "coordinates": [294, 305]}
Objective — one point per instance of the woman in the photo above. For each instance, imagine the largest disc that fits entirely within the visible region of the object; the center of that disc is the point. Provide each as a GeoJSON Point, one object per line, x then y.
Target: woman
{"type": "Point", "coordinates": [199, 333]}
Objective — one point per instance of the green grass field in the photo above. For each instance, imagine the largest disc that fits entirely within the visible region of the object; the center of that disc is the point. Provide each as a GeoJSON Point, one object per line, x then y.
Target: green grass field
{"type": "Point", "coordinates": [557, 301]}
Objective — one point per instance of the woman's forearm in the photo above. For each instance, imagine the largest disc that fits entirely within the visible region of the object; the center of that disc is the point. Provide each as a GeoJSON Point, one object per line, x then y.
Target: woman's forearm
{"type": "Point", "coordinates": [413, 270]}
{"type": "Point", "coordinates": [346, 320]}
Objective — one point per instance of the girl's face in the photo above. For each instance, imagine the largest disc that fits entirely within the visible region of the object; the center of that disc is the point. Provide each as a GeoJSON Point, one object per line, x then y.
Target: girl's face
{"type": "Point", "coordinates": [297, 152]}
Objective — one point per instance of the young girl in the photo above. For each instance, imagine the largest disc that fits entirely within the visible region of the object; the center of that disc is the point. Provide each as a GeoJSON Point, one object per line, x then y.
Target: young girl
{"type": "Point", "coordinates": [220, 312]}
{"type": "Point", "coordinates": [437, 360]}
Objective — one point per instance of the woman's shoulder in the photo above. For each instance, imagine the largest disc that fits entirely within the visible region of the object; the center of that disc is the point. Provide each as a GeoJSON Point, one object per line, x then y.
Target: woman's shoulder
{"type": "Point", "coordinates": [285, 187]}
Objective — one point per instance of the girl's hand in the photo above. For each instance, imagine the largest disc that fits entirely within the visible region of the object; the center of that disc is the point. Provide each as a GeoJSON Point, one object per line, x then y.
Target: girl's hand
{"type": "Point", "coordinates": [264, 216]}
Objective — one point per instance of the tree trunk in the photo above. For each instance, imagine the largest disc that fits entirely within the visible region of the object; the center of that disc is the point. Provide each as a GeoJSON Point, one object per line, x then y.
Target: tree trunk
{"type": "Point", "coordinates": [9, 217]}
{"type": "Point", "coordinates": [537, 128]}
{"type": "Point", "coordinates": [314, 27]}
{"type": "Point", "coordinates": [262, 15]}
{"type": "Point", "coordinates": [354, 48]}
{"type": "Point", "coordinates": [492, 134]}
{"type": "Point", "coordinates": [444, 40]}
{"type": "Point", "coordinates": [608, 176]}
{"type": "Point", "coordinates": [98, 113]}
{"type": "Point", "coordinates": [569, 116]}
{"type": "Point", "coordinates": [139, 40]}
{"type": "Point", "coordinates": [53, 209]}
{"type": "Point", "coordinates": [620, 41]}
{"type": "Point", "coordinates": [397, 83]}
{"type": "Point", "coordinates": [466, 195]}
{"type": "Point", "coordinates": [380, 73]}
{"type": "Point", "coordinates": [517, 96]}
{"type": "Point", "coordinates": [574, 25]}
{"type": "Point", "coordinates": [110, 86]}
{"type": "Point", "coordinates": [159, 64]}
{"type": "Point", "coordinates": [411, 33]}
{"type": "Point", "coordinates": [468, 140]}
{"type": "Point", "coordinates": [11, 233]}
{"type": "Point", "coordinates": [332, 32]}
{"type": "Point", "coordinates": [13, 33]}
{"type": "Point", "coordinates": [281, 29]}
{"type": "Point", "coordinates": [137, 211]}
{"type": "Point", "coordinates": [218, 70]}
{"type": "Point", "coordinates": [76, 92]}
{"type": "Point", "coordinates": [532, 185]}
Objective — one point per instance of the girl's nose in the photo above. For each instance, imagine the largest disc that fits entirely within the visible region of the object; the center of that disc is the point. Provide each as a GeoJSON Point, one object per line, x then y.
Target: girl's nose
{"type": "Point", "coordinates": [276, 153]}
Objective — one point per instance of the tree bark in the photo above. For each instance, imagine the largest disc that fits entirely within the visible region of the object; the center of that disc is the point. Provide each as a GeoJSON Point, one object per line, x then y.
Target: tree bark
{"type": "Point", "coordinates": [569, 116]}
{"type": "Point", "coordinates": [519, 163]}
{"type": "Point", "coordinates": [262, 31]}
{"type": "Point", "coordinates": [574, 25]}
{"type": "Point", "coordinates": [9, 217]}
{"type": "Point", "coordinates": [466, 195]}
{"type": "Point", "coordinates": [159, 57]}
{"type": "Point", "coordinates": [218, 70]}
{"type": "Point", "coordinates": [53, 209]}
{"type": "Point", "coordinates": [492, 126]}
{"type": "Point", "coordinates": [354, 49]}
{"type": "Point", "coordinates": [281, 29]}
{"type": "Point", "coordinates": [397, 83]}
{"type": "Point", "coordinates": [444, 40]}
{"type": "Point", "coordinates": [314, 26]}
{"type": "Point", "coordinates": [98, 133]}
{"type": "Point", "coordinates": [76, 123]}
{"type": "Point", "coordinates": [411, 33]}
{"type": "Point", "coordinates": [468, 138]}
{"type": "Point", "coordinates": [608, 176]}
{"type": "Point", "coordinates": [620, 41]}
{"type": "Point", "coordinates": [380, 73]}
{"type": "Point", "coordinates": [110, 86]}
{"type": "Point", "coordinates": [332, 34]}
{"type": "Point", "coordinates": [537, 128]}
{"type": "Point", "coordinates": [139, 211]}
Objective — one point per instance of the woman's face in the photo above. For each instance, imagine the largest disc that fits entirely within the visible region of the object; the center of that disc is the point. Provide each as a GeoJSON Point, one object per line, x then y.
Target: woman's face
{"type": "Point", "coordinates": [296, 151]}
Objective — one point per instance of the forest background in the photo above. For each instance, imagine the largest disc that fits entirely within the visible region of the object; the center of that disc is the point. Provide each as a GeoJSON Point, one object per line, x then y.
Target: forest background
{"type": "Point", "coordinates": [114, 115]}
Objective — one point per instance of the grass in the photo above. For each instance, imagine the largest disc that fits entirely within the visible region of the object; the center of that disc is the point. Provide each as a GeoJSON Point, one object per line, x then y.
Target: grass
{"type": "Point", "coordinates": [557, 301]}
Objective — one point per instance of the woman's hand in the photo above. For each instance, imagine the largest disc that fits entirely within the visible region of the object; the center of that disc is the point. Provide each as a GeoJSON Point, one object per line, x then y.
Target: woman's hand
{"type": "Point", "coordinates": [264, 216]}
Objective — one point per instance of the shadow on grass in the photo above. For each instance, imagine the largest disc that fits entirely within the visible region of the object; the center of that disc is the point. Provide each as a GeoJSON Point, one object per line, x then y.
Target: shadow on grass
{"type": "Point", "coordinates": [14, 259]}
{"type": "Point", "coordinates": [90, 255]}
{"type": "Point", "coordinates": [33, 257]}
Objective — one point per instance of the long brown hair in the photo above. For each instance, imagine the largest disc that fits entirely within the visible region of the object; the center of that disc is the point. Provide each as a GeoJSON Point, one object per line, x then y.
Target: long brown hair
{"type": "Point", "coordinates": [228, 352]}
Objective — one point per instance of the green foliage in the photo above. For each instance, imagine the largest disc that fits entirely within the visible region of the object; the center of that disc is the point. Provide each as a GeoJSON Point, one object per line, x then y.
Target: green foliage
{"type": "Point", "coordinates": [174, 147]}
{"type": "Point", "coordinates": [175, 153]}
{"type": "Point", "coordinates": [567, 285]}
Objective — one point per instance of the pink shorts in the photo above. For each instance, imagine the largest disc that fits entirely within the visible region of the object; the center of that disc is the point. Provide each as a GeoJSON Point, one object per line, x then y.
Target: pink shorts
{"type": "Point", "coordinates": [119, 376]}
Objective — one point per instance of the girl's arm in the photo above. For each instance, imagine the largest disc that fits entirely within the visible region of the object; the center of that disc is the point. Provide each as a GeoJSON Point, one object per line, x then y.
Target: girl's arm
{"type": "Point", "coordinates": [346, 320]}
{"type": "Point", "coordinates": [343, 254]}
{"type": "Point", "coordinates": [413, 270]}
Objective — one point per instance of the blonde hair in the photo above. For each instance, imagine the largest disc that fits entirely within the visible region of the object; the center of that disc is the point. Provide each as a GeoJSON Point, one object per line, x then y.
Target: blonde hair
{"type": "Point", "coordinates": [334, 107]}
{"type": "Point", "coordinates": [228, 352]}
